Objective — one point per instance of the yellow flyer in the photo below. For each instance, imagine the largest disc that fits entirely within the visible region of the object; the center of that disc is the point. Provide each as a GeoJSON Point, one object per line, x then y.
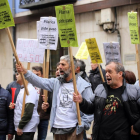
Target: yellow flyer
{"type": "Point", "coordinates": [6, 18]}
{"type": "Point", "coordinates": [82, 52]}
{"type": "Point", "coordinates": [93, 50]}
{"type": "Point", "coordinates": [133, 27]}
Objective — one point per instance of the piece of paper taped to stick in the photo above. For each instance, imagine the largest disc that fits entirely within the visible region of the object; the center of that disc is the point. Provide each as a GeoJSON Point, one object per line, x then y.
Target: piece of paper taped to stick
{"type": "Point", "coordinates": [29, 51]}
{"type": "Point", "coordinates": [112, 52]}
{"type": "Point", "coordinates": [66, 25]}
{"type": "Point", "coordinates": [93, 51]}
{"type": "Point", "coordinates": [82, 52]}
{"type": "Point", "coordinates": [48, 33]}
{"type": "Point", "coordinates": [6, 18]}
{"type": "Point", "coordinates": [133, 27]}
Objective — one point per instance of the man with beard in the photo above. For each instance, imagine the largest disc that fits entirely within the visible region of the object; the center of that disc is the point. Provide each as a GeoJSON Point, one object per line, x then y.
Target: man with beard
{"type": "Point", "coordinates": [115, 106]}
{"type": "Point", "coordinates": [63, 120]}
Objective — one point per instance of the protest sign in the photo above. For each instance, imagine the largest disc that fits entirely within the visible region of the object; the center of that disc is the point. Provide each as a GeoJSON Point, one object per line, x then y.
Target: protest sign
{"type": "Point", "coordinates": [48, 33]}
{"type": "Point", "coordinates": [66, 25]}
{"type": "Point", "coordinates": [112, 52]}
{"type": "Point", "coordinates": [133, 27]}
{"type": "Point", "coordinates": [6, 19]}
{"type": "Point", "coordinates": [82, 52]}
{"type": "Point", "coordinates": [93, 50]}
{"type": "Point", "coordinates": [28, 51]}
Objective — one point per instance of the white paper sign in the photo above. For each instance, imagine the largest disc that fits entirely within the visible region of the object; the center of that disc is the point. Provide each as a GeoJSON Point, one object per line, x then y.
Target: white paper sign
{"type": "Point", "coordinates": [29, 51]}
{"type": "Point", "coordinates": [38, 25]}
{"type": "Point", "coordinates": [112, 52]}
{"type": "Point", "coordinates": [48, 33]}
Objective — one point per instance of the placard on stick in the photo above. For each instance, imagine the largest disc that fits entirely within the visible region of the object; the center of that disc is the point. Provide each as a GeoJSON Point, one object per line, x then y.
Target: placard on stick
{"type": "Point", "coordinates": [112, 52]}
{"type": "Point", "coordinates": [29, 51]}
{"type": "Point", "coordinates": [6, 19]}
{"type": "Point", "coordinates": [66, 25]}
{"type": "Point", "coordinates": [82, 52]}
{"type": "Point", "coordinates": [93, 51]}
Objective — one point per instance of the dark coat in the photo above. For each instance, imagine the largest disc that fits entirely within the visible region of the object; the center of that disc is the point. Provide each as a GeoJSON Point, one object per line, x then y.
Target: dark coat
{"type": "Point", "coordinates": [131, 103]}
{"type": "Point", "coordinates": [95, 78]}
{"type": "Point", "coordinates": [6, 115]}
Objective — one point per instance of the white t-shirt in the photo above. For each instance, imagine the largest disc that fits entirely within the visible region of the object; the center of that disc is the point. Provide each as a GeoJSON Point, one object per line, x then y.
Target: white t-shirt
{"type": "Point", "coordinates": [65, 114]}
{"type": "Point", "coordinates": [31, 98]}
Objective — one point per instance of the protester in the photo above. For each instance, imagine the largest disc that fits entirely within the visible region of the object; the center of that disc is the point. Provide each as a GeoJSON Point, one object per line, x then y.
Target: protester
{"type": "Point", "coordinates": [115, 106]}
{"type": "Point", "coordinates": [95, 77]}
{"type": "Point", "coordinates": [14, 85]}
{"type": "Point", "coordinates": [130, 77]}
{"type": "Point", "coordinates": [80, 70]}
{"type": "Point", "coordinates": [25, 127]}
{"type": "Point", "coordinates": [63, 121]}
{"type": "Point", "coordinates": [44, 115]}
{"type": "Point", "coordinates": [6, 115]}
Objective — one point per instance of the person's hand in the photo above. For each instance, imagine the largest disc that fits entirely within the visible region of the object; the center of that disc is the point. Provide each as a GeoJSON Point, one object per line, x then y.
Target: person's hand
{"type": "Point", "coordinates": [20, 68]}
{"type": "Point", "coordinates": [77, 97]}
{"type": "Point", "coordinates": [19, 132]}
{"type": "Point", "coordinates": [45, 106]}
{"type": "Point", "coordinates": [12, 105]}
{"type": "Point", "coordinates": [10, 136]}
{"type": "Point", "coordinates": [133, 132]}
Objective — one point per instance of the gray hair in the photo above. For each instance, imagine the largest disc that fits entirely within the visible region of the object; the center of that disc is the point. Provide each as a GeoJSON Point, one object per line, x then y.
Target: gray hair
{"type": "Point", "coordinates": [81, 64]}
{"type": "Point", "coordinates": [67, 58]}
{"type": "Point", "coordinates": [119, 67]}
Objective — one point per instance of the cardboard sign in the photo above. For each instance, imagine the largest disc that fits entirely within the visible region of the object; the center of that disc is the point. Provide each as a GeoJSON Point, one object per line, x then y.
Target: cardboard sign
{"type": "Point", "coordinates": [82, 52]}
{"type": "Point", "coordinates": [93, 50]}
{"type": "Point", "coordinates": [28, 51]}
{"type": "Point", "coordinates": [112, 52]}
{"type": "Point", "coordinates": [133, 27]}
{"type": "Point", "coordinates": [6, 18]}
{"type": "Point", "coordinates": [48, 33]}
{"type": "Point", "coordinates": [66, 25]}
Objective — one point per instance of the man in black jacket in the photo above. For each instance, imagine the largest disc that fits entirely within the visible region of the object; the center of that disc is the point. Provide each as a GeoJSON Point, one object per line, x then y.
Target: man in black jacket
{"type": "Point", "coordinates": [95, 77]}
{"type": "Point", "coordinates": [6, 115]}
{"type": "Point", "coordinates": [116, 107]}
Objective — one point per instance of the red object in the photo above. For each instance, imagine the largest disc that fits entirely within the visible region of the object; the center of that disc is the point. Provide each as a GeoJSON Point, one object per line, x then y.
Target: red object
{"type": "Point", "coordinates": [13, 94]}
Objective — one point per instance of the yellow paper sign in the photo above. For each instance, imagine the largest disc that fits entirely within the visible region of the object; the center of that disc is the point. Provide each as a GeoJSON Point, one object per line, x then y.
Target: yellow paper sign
{"type": "Point", "coordinates": [6, 19]}
{"type": "Point", "coordinates": [133, 27]}
{"type": "Point", "coordinates": [93, 50]}
{"type": "Point", "coordinates": [82, 52]}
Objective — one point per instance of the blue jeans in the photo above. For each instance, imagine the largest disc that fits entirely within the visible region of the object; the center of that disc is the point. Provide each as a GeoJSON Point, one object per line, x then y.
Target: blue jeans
{"type": "Point", "coordinates": [42, 129]}
{"type": "Point", "coordinates": [2, 137]}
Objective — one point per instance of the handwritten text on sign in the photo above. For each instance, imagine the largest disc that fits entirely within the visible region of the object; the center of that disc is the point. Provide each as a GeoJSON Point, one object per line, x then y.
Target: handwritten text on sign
{"type": "Point", "coordinates": [28, 51]}
{"type": "Point", "coordinates": [48, 33]}
{"type": "Point", "coordinates": [6, 19]}
{"type": "Point", "coordinates": [93, 50]}
{"type": "Point", "coordinates": [112, 52]}
{"type": "Point", "coordinates": [133, 27]}
{"type": "Point", "coordinates": [82, 52]}
{"type": "Point", "coordinates": [66, 25]}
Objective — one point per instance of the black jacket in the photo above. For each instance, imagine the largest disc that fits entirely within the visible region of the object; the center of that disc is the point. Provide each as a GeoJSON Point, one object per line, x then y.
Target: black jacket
{"type": "Point", "coordinates": [14, 85]}
{"type": "Point", "coordinates": [6, 115]}
{"type": "Point", "coordinates": [95, 78]}
{"type": "Point", "coordinates": [131, 102]}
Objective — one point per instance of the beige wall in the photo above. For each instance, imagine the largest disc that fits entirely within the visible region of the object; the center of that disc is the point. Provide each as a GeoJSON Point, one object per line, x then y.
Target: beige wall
{"type": "Point", "coordinates": [86, 28]}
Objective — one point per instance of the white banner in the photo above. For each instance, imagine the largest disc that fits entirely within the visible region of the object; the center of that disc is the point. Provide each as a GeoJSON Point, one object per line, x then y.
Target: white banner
{"type": "Point", "coordinates": [112, 52]}
{"type": "Point", "coordinates": [48, 33]}
{"type": "Point", "coordinates": [28, 51]}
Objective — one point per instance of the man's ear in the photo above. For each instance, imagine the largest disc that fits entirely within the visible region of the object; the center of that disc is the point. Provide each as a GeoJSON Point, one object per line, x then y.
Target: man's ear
{"type": "Point", "coordinates": [120, 74]}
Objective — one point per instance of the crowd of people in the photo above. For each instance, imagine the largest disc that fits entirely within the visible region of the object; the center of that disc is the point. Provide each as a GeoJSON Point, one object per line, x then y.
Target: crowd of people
{"type": "Point", "coordinates": [113, 105]}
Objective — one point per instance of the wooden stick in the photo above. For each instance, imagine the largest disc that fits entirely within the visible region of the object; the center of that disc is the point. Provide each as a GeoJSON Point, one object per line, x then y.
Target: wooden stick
{"type": "Point", "coordinates": [74, 85]}
{"type": "Point", "coordinates": [17, 60]}
{"type": "Point", "coordinates": [101, 73]}
{"type": "Point", "coordinates": [138, 61]}
{"type": "Point", "coordinates": [24, 97]}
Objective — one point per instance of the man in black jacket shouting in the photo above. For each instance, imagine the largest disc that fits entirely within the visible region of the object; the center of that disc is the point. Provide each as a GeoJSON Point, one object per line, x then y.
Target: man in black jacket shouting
{"type": "Point", "coordinates": [116, 107]}
{"type": "Point", "coordinates": [6, 115]}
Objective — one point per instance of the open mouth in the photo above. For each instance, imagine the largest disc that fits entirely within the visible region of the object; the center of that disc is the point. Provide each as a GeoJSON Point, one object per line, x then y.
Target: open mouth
{"type": "Point", "coordinates": [108, 79]}
{"type": "Point", "coordinates": [62, 72]}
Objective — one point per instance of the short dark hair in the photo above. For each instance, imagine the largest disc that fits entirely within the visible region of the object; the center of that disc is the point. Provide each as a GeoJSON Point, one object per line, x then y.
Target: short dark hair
{"type": "Point", "coordinates": [81, 64]}
{"type": "Point", "coordinates": [119, 67]}
{"type": "Point", "coordinates": [38, 68]}
{"type": "Point", "coordinates": [57, 64]}
{"type": "Point", "coordinates": [130, 77]}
